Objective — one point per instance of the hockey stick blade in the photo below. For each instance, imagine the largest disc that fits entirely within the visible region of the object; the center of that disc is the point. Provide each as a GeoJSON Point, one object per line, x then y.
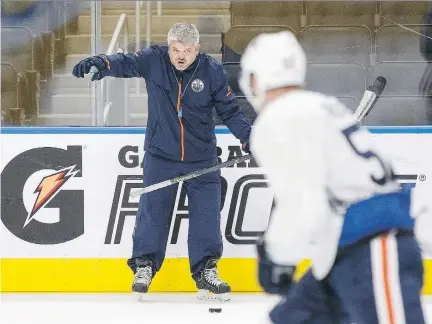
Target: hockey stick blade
{"type": "Point", "coordinates": [188, 176]}
{"type": "Point", "coordinates": [378, 86]}
{"type": "Point", "coordinates": [370, 97]}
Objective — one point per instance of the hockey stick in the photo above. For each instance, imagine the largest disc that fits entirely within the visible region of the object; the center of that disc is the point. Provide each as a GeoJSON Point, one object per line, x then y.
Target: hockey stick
{"type": "Point", "coordinates": [368, 101]}
{"type": "Point", "coordinates": [191, 175]}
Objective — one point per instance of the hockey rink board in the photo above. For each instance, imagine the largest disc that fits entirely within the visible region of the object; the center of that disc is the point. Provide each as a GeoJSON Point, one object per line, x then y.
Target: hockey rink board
{"type": "Point", "coordinates": [67, 214]}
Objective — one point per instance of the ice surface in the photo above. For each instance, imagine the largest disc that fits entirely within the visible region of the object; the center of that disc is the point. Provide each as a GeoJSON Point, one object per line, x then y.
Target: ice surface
{"type": "Point", "coordinates": [126, 309]}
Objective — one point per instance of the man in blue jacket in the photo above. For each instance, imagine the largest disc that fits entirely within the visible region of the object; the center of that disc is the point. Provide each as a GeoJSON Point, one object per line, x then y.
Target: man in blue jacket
{"type": "Point", "coordinates": [183, 86]}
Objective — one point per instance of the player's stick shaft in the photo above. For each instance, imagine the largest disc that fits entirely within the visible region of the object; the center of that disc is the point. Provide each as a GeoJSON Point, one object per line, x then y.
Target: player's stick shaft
{"type": "Point", "coordinates": [191, 175]}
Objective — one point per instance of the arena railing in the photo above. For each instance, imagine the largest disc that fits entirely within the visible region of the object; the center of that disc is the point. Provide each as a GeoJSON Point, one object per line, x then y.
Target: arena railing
{"type": "Point", "coordinates": [102, 100]}
{"type": "Point", "coordinates": [121, 29]}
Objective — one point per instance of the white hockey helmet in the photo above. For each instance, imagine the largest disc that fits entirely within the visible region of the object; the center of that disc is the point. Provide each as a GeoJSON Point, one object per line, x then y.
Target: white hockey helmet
{"type": "Point", "coordinates": [276, 60]}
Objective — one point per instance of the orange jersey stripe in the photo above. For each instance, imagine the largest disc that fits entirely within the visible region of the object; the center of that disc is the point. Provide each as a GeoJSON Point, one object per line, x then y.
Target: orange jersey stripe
{"type": "Point", "coordinates": [182, 139]}
{"type": "Point", "coordinates": [386, 280]}
{"type": "Point", "coordinates": [180, 121]}
{"type": "Point", "coordinates": [179, 96]}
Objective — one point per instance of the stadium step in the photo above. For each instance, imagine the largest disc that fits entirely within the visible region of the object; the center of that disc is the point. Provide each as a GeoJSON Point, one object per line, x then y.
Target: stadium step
{"type": "Point", "coordinates": [81, 103]}
{"type": "Point", "coordinates": [68, 84]}
{"type": "Point", "coordinates": [170, 5]}
{"type": "Point", "coordinates": [159, 24]}
{"type": "Point", "coordinates": [168, 8]}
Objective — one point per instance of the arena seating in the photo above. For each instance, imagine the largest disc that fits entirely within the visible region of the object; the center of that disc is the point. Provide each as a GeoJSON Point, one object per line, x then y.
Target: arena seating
{"type": "Point", "coordinates": [348, 44]}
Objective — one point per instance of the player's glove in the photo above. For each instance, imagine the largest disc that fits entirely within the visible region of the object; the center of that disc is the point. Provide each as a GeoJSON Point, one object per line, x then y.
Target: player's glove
{"type": "Point", "coordinates": [84, 66]}
{"type": "Point", "coordinates": [273, 278]}
{"type": "Point", "coordinates": [245, 147]}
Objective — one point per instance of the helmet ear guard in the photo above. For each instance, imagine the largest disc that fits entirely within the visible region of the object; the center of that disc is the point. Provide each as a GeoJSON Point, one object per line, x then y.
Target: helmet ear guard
{"type": "Point", "coordinates": [252, 92]}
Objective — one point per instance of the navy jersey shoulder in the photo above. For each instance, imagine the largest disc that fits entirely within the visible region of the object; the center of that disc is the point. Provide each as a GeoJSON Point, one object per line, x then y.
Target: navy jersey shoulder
{"type": "Point", "coordinates": [215, 69]}
{"type": "Point", "coordinates": [160, 49]}
{"type": "Point", "coordinates": [214, 64]}
{"type": "Point", "coordinates": [157, 51]}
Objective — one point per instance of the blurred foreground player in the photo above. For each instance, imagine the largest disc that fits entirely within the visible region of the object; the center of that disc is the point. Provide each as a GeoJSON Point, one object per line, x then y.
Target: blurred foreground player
{"type": "Point", "coordinates": [183, 86]}
{"type": "Point", "coordinates": [336, 200]}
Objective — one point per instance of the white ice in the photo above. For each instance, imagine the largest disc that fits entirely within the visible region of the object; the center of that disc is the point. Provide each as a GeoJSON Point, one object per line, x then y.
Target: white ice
{"type": "Point", "coordinates": [125, 308]}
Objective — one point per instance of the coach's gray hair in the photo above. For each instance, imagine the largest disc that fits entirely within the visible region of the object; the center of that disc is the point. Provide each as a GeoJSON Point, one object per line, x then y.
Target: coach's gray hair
{"type": "Point", "coordinates": [185, 33]}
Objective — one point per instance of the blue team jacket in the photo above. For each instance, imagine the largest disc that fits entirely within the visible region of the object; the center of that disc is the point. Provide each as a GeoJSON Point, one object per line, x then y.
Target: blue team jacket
{"type": "Point", "coordinates": [180, 124]}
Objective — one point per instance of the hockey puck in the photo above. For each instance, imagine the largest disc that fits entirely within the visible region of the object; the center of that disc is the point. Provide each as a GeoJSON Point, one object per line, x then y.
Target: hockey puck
{"type": "Point", "coordinates": [215, 310]}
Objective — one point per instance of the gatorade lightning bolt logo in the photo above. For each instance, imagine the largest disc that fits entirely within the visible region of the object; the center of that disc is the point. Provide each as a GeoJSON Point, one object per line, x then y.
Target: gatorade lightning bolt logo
{"type": "Point", "coordinates": [48, 188]}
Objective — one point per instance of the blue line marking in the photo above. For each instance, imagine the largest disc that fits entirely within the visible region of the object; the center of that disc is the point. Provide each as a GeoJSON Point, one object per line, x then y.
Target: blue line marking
{"type": "Point", "coordinates": [400, 129]}
{"type": "Point", "coordinates": [218, 130]}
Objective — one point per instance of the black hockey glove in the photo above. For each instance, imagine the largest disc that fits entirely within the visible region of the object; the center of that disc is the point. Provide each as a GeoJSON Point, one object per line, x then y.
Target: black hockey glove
{"type": "Point", "coordinates": [273, 278]}
{"type": "Point", "coordinates": [84, 66]}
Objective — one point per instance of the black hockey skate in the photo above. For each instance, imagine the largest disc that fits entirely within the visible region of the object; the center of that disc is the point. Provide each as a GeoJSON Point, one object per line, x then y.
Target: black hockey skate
{"type": "Point", "coordinates": [143, 277]}
{"type": "Point", "coordinates": [210, 286]}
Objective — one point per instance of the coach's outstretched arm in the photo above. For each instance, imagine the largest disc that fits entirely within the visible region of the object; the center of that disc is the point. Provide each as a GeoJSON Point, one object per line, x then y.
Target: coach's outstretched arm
{"type": "Point", "coordinates": [227, 107]}
{"type": "Point", "coordinates": [116, 65]}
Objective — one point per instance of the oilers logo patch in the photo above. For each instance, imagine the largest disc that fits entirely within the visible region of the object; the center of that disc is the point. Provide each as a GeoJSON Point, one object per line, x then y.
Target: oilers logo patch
{"type": "Point", "coordinates": [197, 85]}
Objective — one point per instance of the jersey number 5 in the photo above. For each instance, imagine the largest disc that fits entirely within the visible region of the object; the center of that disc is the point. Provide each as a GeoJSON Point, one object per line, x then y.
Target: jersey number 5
{"type": "Point", "coordinates": [387, 170]}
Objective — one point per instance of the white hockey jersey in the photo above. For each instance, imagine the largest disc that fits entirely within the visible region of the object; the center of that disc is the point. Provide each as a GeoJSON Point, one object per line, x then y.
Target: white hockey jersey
{"type": "Point", "coordinates": [320, 164]}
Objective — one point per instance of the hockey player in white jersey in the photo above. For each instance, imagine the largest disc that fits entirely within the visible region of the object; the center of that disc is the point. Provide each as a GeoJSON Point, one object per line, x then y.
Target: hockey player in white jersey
{"type": "Point", "coordinates": [337, 202]}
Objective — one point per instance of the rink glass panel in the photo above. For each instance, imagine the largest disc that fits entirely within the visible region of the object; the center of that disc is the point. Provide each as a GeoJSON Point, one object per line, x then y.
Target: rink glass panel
{"type": "Point", "coordinates": [348, 45]}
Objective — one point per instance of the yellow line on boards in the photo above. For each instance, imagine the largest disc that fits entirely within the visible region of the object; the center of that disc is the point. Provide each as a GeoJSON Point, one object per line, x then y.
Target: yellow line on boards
{"type": "Point", "coordinates": [113, 275]}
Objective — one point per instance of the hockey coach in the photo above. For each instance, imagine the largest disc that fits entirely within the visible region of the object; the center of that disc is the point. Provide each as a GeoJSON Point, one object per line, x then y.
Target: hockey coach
{"type": "Point", "coordinates": [183, 86]}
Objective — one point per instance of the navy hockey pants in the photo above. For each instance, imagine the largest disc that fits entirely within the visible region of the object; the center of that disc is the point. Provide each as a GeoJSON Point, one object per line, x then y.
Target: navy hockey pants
{"type": "Point", "coordinates": [374, 282]}
{"type": "Point", "coordinates": [155, 210]}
